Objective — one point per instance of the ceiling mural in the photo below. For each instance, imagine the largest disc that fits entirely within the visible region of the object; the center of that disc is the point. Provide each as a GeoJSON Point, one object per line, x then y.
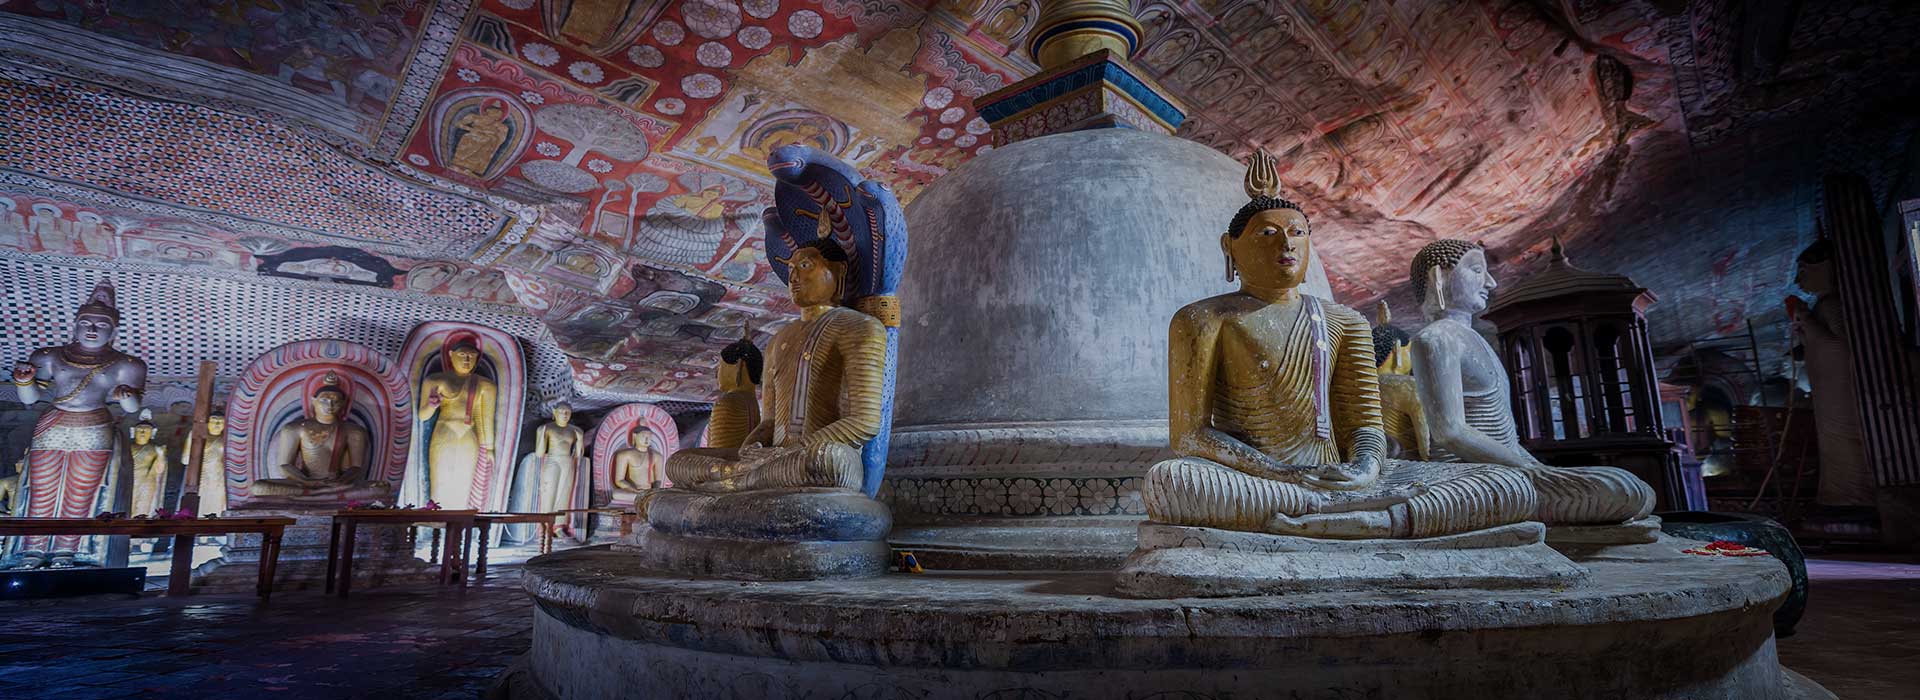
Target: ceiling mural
{"type": "Point", "coordinates": [599, 164]}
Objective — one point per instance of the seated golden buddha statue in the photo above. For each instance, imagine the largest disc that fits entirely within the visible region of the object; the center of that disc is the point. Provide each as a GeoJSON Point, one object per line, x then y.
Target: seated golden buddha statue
{"type": "Point", "coordinates": [324, 454]}
{"type": "Point", "coordinates": [821, 403]}
{"type": "Point", "coordinates": [1463, 387]}
{"type": "Point", "coordinates": [1275, 409]}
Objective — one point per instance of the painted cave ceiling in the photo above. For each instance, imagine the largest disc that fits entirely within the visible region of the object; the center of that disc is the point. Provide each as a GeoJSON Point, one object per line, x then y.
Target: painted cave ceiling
{"type": "Point", "coordinates": [599, 163]}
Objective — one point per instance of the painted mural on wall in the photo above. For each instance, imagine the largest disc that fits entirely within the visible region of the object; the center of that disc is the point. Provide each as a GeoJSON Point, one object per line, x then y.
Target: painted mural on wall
{"type": "Point", "coordinates": [556, 155]}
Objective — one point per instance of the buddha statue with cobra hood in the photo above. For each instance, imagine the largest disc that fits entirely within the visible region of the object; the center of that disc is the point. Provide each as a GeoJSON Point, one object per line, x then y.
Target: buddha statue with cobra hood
{"type": "Point", "coordinates": [1464, 391]}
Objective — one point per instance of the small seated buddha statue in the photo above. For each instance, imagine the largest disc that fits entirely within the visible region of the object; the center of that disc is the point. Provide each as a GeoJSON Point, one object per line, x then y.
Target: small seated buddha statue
{"type": "Point", "coordinates": [1463, 388]}
{"type": "Point", "coordinates": [1275, 409]}
{"type": "Point", "coordinates": [1400, 413]}
{"type": "Point", "coordinates": [823, 396]}
{"type": "Point", "coordinates": [636, 467]}
{"type": "Point", "coordinates": [737, 412]}
{"type": "Point", "coordinates": [322, 456]}
{"type": "Point", "coordinates": [149, 468]}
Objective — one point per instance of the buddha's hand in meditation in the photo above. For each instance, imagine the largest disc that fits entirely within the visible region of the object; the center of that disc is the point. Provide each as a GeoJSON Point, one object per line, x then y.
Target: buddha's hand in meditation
{"type": "Point", "coordinates": [1347, 476]}
{"type": "Point", "coordinates": [754, 452]}
{"type": "Point", "coordinates": [1344, 501]}
{"type": "Point", "coordinates": [22, 372]}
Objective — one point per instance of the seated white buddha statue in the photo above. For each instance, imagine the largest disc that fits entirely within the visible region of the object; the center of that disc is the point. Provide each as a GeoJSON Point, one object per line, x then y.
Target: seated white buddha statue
{"type": "Point", "coordinates": [1464, 392]}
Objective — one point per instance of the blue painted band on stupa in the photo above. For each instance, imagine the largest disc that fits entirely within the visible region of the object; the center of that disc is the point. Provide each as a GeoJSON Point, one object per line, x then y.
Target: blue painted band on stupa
{"type": "Point", "coordinates": [1119, 28]}
{"type": "Point", "coordinates": [1110, 72]}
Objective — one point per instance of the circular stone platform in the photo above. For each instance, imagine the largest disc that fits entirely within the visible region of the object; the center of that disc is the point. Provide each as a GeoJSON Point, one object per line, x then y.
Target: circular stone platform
{"type": "Point", "coordinates": [1653, 624]}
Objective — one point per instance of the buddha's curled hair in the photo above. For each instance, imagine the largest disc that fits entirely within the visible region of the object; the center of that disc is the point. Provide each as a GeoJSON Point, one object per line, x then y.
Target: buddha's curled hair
{"type": "Point", "coordinates": [1445, 253]}
{"type": "Point", "coordinates": [1256, 205]}
{"type": "Point", "coordinates": [1385, 340]}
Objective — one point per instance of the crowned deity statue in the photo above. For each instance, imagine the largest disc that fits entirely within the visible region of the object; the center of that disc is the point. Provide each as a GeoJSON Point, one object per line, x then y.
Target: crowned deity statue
{"type": "Point", "coordinates": [1275, 408]}
{"type": "Point", "coordinates": [149, 468]}
{"type": "Point", "coordinates": [823, 394]}
{"type": "Point", "coordinates": [637, 467]}
{"type": "Point", "coordinates": [559, 446]}
{"type": "Point", "coordinates": [1846, 479]}
{"type": "Point", "coordinates": [323, 455]}
{"type": "Point", "coordinates": [213, 466]}
{"type": "Point", "coordinates": [460, 403]}
{"type": "Point", "coordinates": [1400, 413]}
{"type": "Point", "coordinates": [1464, 389]}
{"type": "Point", "coordinates": [70, 460]}
{"type": "Point", "coordinates": [737, 412]}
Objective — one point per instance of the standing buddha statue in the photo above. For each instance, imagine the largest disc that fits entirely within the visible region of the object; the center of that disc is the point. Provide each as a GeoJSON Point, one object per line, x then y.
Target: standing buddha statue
{"type": "Point", "coordinates": [559, 446]}
{"type": "Point", "coordinates": [1846, 479]}
{"type": "Point", "coordinates": [149, 468]}
{"type": "Point", "coordinates": [1275, 409]}
{"type": "Point", "coordinates": [459, 450]}
{"type": "Point", "coordinates": [70, 458]}
{"type": "Point", "coordinates": [1464, 389]}
{"type": "Point", "coordinates": [213, 466]}
{"type": "Point", "coordinates": [737, 412]}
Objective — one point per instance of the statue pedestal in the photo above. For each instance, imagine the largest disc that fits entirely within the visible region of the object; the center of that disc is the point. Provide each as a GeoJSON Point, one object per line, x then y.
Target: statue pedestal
{"type": "Point", "coordinates": [1690, 627]}
{"type": "Point", "coordinates": [1185, 562]}
{"type": "Point", "coordinates": [382, 556]}
{"type": "Point", "coordinates": [782, 535]}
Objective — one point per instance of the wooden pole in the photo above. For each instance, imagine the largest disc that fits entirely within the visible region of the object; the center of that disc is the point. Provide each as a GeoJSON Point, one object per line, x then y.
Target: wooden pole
{"type": "Point", "coordinates": [197, 442]}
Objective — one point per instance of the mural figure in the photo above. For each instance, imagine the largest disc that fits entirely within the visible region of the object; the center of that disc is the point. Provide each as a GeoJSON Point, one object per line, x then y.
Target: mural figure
{"type": "Point", "coordinates": [75, 459]}
{"type": "Point", "coordinates": [1464, 390]}
{"type": "Point", "coordinates": [687, 228]}
{"type": "Point", "coordinates": [479, 138]}
{"type": "Point", "coordinates": [325, 452]}
{"type": "Point", "coordinates": [470, 397]}
{"type": "Point", "coordinates": [13, 225]}
{"type": "Point", "coordinates": [149, 468]}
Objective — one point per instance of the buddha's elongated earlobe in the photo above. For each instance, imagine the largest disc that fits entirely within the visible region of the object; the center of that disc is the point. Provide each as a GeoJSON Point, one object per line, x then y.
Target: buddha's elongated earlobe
{"type": "Point", "coordinates": [1437, 287]}
{"type": "Point", "coordinates": [1233, 273]}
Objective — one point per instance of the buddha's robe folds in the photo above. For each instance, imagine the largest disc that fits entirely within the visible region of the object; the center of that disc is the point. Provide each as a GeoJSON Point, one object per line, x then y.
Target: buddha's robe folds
{"type": "Point", "coordinates": [820, 403]}
{"type": "Point", "coordinates": [1315, 395]}
{"type": "Point", "coordinates": [1568, 495]}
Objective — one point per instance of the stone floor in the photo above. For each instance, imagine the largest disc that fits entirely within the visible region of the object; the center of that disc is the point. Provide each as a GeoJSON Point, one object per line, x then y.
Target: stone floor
{"type": "Point", "coordinates": [1859, 638]}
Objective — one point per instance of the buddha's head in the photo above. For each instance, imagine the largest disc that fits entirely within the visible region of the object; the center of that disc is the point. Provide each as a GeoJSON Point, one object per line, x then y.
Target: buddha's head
{"type": "Point", "coordinates": [328, 403]}
{"type": "Point", "coordinates": [1268, 244]}
{"type": "Point", "coordinates": [817, 273]}
{"type": "Point", "coordinates": [1814, 268]}
{"type": "Point", "coordinates": [562, 415]}
{"type": "Point", "coordinates": [641, 438]}
{"type": "Point", "coordinates": [740, 365]}
{"type": "Point", "coordinates": [1452, 275]}
{"type": "Point", "coordinates": [1390, 344]}
{"type": "Point", "coordinates": [463, 357]}
{"type": "Point", "coordinates": [216, 425]}
{"type": "Point", "coordinates": [97, 320]}
{"type": "Point", "coordinates": [143, 432]}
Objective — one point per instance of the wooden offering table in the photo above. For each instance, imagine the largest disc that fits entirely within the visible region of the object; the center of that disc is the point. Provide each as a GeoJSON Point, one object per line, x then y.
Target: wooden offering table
{"type": "Point", "coordinates": [183, 533]}
{"type": "Point", "coordinates": [486, 522]}
{"type": "Point", "coordinates": [453, 570]}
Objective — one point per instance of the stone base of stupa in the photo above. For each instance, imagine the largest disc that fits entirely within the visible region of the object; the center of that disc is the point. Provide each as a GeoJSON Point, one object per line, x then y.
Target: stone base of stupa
{"type": "Point", "coordinates": [1685, 627]}
{"type": "Point", "coordinates": [1186, 562]}
{"type": "Point", "coordinates": [382, 556]}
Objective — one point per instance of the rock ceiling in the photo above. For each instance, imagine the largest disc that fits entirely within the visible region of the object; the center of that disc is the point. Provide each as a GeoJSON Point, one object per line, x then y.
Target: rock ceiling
{"type": "Point", "coordinates": [598, 163]}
